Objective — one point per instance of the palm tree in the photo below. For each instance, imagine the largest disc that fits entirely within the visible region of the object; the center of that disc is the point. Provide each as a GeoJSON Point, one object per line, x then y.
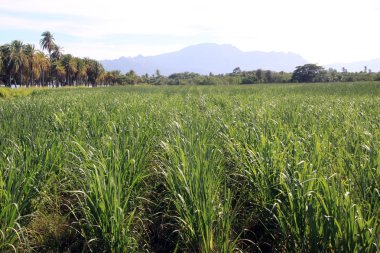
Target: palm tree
{"type": "Point", "coordinates": [132, 78]}
{"type": "Point", "coordinates": [41, 66]}
{"type": "Point", "coordinates": [30, 54]}
{"type": "Point", "coordinates": [47, 42]}
{"type": "Point", "coordinates": [1, 57]}
{"type": "Point", "coordinates": [110, 78]}
{"type": "Point", "coordinates": [1, 61]}
{"type": "Point", "coordinates": [94, 70]}
{"type": "Point", "coordinates": [5, 51]}
{"type": "Point", "coordinates": [56, 52]}
{"type": "Point", "coordinates": [58, 71]}
{"type": "Point", "coordinates": [70, 65]}
{"type": "Point", "coordinates": [81, 71]}
{"type": "Point", "coordinates": [15, 59]}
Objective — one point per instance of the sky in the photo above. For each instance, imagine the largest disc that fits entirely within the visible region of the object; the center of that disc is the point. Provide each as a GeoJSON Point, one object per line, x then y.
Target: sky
{"type": "Point", "coordinates": [323, 31]}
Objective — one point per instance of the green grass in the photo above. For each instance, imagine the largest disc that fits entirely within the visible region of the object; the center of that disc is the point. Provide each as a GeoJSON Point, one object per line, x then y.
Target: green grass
{"type": "Point", "coordinates": [261, 168]}
{"type": "Point", "coordinates": [11, 93]}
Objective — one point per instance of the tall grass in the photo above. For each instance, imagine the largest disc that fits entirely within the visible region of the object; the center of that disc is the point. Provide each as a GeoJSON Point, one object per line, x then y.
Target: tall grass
{"type": "Point", "coordinates": [196, 183]}
{"type": "Point", "coordinates": [113, 184]}
{"type": "Point", "coordinates": [313, 169]}
{"type": "Point", "coordinates": [29, 160]}
{"type": "Point", "coordinates": [266, 168]}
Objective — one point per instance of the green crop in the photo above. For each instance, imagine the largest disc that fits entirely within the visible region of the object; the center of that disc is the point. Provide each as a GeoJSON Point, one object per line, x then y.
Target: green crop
{"type": "Point", "coordinates": [261, 168]}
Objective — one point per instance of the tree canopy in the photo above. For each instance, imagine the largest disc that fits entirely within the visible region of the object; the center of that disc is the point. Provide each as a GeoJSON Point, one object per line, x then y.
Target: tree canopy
{"type": "Point", "coordinates": [308, 73]}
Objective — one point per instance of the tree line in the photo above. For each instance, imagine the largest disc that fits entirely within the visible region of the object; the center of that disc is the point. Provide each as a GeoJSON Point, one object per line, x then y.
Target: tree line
{"type": "Point", "coordinates": [24, 65]}
{"type": "Point", "coordinates": [308, 73]}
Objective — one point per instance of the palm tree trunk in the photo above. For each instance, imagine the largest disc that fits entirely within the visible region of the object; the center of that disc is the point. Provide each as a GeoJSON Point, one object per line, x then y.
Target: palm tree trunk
{"type": "Point", "coordinates": [31, 75]}
{"type": "Point", "coordinates": [20, 77]}
{"type": "Point", "coordinates": [32, 81]}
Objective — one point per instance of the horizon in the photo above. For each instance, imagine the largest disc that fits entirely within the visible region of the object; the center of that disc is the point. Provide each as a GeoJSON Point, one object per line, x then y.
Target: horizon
{"type": "Point", "coordinates": [322, 32]}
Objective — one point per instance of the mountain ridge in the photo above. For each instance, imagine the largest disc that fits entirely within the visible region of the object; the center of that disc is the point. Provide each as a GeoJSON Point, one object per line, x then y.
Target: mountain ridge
{"type": "Point", "coordinates": [206, 58]}
{"type": "Point", "coordinates": [220, 59]}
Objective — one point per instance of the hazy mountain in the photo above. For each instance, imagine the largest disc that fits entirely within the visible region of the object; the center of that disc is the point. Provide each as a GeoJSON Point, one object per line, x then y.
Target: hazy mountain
{"type": "Point", "coordinates": [206, 58]}
{"type": "Point", "coordinates": [373, 65]}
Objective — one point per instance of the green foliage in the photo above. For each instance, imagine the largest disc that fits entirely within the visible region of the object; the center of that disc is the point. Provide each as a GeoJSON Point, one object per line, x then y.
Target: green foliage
{"type": "Point", "coordinates": [308, 73]}
{"type": "Point", "coordinates": [5, 92]}
{"type": "Point", "coordinates": [23, 65]}
{"type": "Point", "coordinates": [11, 93]}
{"type": "Point", "coordinates": [195, 180]}
{"type": "Point", "coordinates": [270, 168]}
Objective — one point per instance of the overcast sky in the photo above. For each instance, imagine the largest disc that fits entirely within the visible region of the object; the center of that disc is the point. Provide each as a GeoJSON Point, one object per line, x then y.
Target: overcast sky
{"type": "Point", "coordinates": [323, 31]}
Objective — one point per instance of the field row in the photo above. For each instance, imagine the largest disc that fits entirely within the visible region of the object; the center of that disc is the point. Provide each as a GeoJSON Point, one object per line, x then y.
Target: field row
{"type": "Point", "coordinates": [275, 168]}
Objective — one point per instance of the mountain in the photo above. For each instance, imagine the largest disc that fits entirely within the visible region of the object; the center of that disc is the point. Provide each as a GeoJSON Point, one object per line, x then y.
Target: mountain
{"type": "Point", "coordinates": [373, 65]}
{"type": "Point", "coordinates": [206, 58]}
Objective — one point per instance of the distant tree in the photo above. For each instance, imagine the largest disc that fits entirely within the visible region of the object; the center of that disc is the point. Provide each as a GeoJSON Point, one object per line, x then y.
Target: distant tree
{"type": "Point", "coordinates": [47, 42]}
{"type": "Point", "coordinates": [184, 75]}
{"type": "Point", "coordinates": [56, 52]}
{"type": "Point", "coordinates": [1, 58]}
{"type": "Point", "coordinates": [268, 76]}
{"type": "Point", "coordinates": [248, 79]}
{"type": "Point", "coordinates": [308, 73]}
{"type": "Point", "coordinates": [30, 53]}
{"type": "Point", "coordinates": [16, 60]}
{"type": "Point", "coordinates": [158, 74]}
{"type": "Point", "coordinates": [41, 67]}
{"type": "Point", "coordinates": [236, 71]}
{"type": "Point", "coordinates": [59, 72]}
{"type": "Point", "coordinates": [113, 77]}
{"type": "Point", "coordinates": [259, 75]}
{"type": "Point", "coordinates": [132, 77]}
{"type": "Point", "coordinates": [81, 71]}
{"type": "Point", "coordinates": [70, 65]}
{"type": "Point", "coordinates": [94, 70]}
{"type": "Point", "coordinates": [332, 75]}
